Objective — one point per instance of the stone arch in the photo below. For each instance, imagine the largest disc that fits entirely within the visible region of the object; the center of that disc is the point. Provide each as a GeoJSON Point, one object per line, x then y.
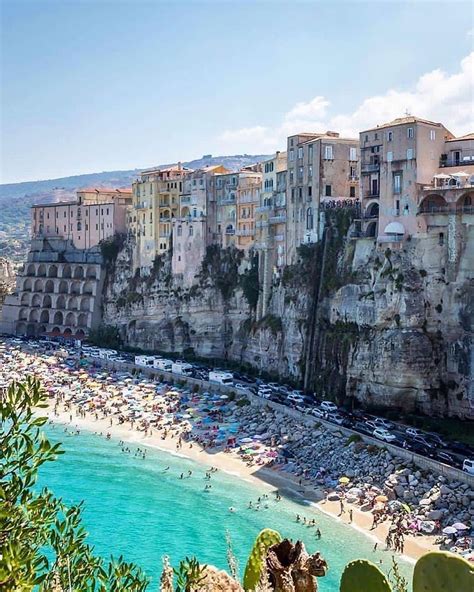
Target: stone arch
{"type": "Point", "coordinates": [44, 316]}
{"type": "Point", "coordinates": [53, 271]}
{"type": "Point", "coordinates": [80, 334]}
{"type": "Point", "coordinates": [433, 203]}
{"type": "Point", "coordinates": [49, 286]}
{"type": "Point", "coordinates": [372, 210]}
{"type": "Point", "coordinates": [38, 287]}
{"type": "Point", "coordinates": [82, 319]}
{"type": "Point", "coordinates": [36, 301]}
{"type": "Point", "coordinates": [41, 272]}
{"type": "Point", "coordinates": [75, 288]}
{"type": "Point", "coordinates": [66, 271]}
{"type": "Point", "coordinates": [23, 315]}
{"type": "Point", "coordinates": [25, 300]}
{"type": "Point", "coordinates": [72, 303]}
{"type": "Point", "coordinates": [30, 270]}
{"type": "Point", "coordinates": [70, 319]}
{"type": "Point", "coordinates": [61, 301]}
{"type": "Point", "coordinates": [63, 287]}
{"type": "Point", "coordinates": [42, 330]}
{"type": "Point", "coordinates": [34, 315]}
{"type": "Point", "coordinates": [91, 273]}
{"type": "Point", "coordinates": [466, 201]}
{"type": "Point", "coordinates": [88, 288]}
{"type": "Point", "coordinates": [58, 318]}
{"type": "Point", "coordinates": [47, 302]}
{"type": "Point", "coordinates": [165, 214]}
{"type": "Point", "coordinates": [31, 330]}
{"type": "Point", "coordinates": [56, 331]}
{"type": "Point", "coordinates": [67, 332]}
{"type": "Point", "coordinates": [85, 304]}
{"type": "Point", "coordinates": [27, 285]}
{"type": "Point", "coordinates": [185, 212]}
{"type": "Point", "coordinates": [21, 328]}
{"type": "Point", "coordinates": [79, 272]}
{"type": "Point", "coordinates": [371, 230]}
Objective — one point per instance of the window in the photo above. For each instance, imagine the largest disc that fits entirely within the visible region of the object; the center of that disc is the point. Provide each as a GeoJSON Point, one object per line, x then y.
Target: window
{"type": "Point", "coordinates": [292, 154]}
{"type": "Point", "coordinates": [376, 136]}
{"type": "Point", "coordinates": [292, 177]}
{"type": "Point", "coordinates": [310, 191]}
{"type": "Point", "coordinates": [300, 192]}
{"type": "Point", "coordinates": [300, 152]}
{"type": "Point", "coordinates": [397, 183]}
{"type": "Point", "coordinates": [300, 174]}
{"type": "Point", "coordinates": [310, 171]}
{"type": "Point", "coordinates": [389, 136]}
{"type": "Point", "coordinates": [352, 191]}
{"type": "Point", "coordinates": [409, 153]}
{"type": "Point", "coordinates": [366, 137]}
{"type": "Point", "coordinates": [309, 219]}
{"type": "Point", "coordinates": [310, 152]}
{"type": "Point", "coordinates": [397, 208]}
{"type": "Point", "coordinates": [191, 230]}
{"type": "Point", "coordinates": [352, 154]}
{"type": "Point", "coordinates": [441, 239]}
{"type": "Point", "coordinates": [410, 133]}
{"type": "Point", "coordinates": [328, 190]}
{"type": "Point", "coordinates": [328, 152]}
{"type": "Point", "coordinates": [389, 156]}
{"type": "Point", "coordinates": [432, 135]}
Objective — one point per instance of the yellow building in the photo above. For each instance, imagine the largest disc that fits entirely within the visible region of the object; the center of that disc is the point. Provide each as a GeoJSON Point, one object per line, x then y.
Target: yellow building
{"type": "Point", "coordinates": [156, 201]}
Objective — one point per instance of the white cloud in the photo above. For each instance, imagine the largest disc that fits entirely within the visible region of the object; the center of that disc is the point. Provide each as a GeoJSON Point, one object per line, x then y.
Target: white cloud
{"type": "Point", "coordinates": [437, 95]}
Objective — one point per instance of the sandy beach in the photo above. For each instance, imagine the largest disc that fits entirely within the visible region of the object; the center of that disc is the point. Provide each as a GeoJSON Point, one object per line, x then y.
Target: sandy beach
{"type": "Point", "coordinates": [266, 479]}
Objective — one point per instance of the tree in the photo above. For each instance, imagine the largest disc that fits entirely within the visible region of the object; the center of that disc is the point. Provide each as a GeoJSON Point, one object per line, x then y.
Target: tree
{"type": "Point", "coordinates": [42, 541]}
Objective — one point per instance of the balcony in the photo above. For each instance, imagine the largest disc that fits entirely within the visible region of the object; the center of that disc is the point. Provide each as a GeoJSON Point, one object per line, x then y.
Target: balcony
{"type": "Point", "coordinates": [454, 162]}
{"type": "Point", "coordinates": [230, 231]}
{"type": "Point", "coordinates": [226, 201]}
{"type": "Point", "coordinates": [141, 205]}
{"type": "Point", "coordinates": [185, 199]}
{"type": "Point", "coordinates": [371, 194]}
{"type": "Point", "coordinates": [246, 232]}
{"type": "Point", "coordinates": [261, 224]}
{"type": "Point", "coordinates": [262, 209]}
{"type": "Point", "coordinates": [277, 219]}
{"type": "Point", "coordinates": [370, 168]}
{"type": "Point", "coordinates": [279, 237]}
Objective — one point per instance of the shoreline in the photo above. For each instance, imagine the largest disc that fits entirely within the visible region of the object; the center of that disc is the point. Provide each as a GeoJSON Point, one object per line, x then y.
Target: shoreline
{"type": "Point", "coordinates": [262, 477]}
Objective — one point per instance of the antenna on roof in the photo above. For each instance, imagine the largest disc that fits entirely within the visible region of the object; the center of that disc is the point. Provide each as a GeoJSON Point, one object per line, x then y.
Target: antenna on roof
{"type": "Point", "coordinates": [407, 112]}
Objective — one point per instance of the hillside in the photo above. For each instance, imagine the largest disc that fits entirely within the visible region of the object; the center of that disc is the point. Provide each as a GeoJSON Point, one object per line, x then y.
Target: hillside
{"type": "Point", "coordinates": [17, 198]}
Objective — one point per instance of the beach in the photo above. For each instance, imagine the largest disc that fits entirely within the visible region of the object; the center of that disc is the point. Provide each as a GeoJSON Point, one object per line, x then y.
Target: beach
{"type": "Point", "coordinates": [265, 479]}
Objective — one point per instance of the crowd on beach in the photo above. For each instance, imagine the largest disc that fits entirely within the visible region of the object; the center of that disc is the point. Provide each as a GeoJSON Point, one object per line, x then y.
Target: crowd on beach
{"type": "Point", "coordinates": [315, 460]}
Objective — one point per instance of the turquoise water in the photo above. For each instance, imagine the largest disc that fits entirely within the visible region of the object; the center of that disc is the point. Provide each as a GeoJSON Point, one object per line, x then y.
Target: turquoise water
{"type": "Point", "coordinates": [136, 508]}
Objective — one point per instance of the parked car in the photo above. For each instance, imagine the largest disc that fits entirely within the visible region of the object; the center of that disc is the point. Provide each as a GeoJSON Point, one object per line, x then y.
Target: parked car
{"type": "Point", "coordinates": [468, 466]}
{"type": "Point", "coordinates": [285, 390]}
{"type": "Point", "coordinates": [381, 422]}
{"type": "Point", "coordinates": [329, 406]}
{"type": "Point", "coordinates": [413, 432]}
{"type": "Point", "coordinates": [416, 448]}
{"type": "Point", "coordinates": [361, 426]}
{"type": "Point", "coordinates": [240, 387]}
{"type": "Point", "coordinates": [436, 439]}
{"type": "Point", "coordinates": [318, 412]}
{"type": "Point", "coordinates": [445, 458]}
{"type": "Point", "coordinates": [294, 398]}
{"type": "Point", "coordinates": [274, 386]}
{"type": "Point", "coordinates": [335, 418]}
{"type": "Point", "coordinates": [371, 425]}
{"type": "Point", "coordinates": [384, 435]}
{"type": "Point", "coordinates": [424, 442]}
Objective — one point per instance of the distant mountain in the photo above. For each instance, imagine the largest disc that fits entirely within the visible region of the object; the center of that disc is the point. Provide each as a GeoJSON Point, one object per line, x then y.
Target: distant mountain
{"type": "Point", "coordinates": [17, 198]}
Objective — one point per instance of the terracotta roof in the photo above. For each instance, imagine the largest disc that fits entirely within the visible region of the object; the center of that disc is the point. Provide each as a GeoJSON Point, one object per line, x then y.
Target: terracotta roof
{"type": "Point", "coordinates": [105, 190]}
{"type": "Point", "coordinates": [466, 137]}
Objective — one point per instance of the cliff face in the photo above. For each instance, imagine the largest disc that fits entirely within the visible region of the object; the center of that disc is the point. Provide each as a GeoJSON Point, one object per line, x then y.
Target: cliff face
{"type": "Point", "coordinates": [389, 327]}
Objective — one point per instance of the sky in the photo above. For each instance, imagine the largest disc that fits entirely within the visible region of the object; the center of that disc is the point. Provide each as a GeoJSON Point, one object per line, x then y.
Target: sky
{"type": "Point", "coordinates": [90, 86]}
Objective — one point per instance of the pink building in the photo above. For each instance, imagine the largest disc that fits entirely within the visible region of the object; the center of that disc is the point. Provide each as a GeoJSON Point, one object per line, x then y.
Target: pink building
{"type": "Point", "coordinates": [96, 215]}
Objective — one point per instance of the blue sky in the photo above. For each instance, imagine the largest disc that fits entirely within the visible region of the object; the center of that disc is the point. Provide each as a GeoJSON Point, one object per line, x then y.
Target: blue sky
{"type": "Point", "coordinates": [91, 86]}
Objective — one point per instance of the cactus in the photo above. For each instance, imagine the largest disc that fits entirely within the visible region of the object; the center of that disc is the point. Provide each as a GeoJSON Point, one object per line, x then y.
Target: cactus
{"type": "Point", "coordinates": [440, 571]}
{"type": "Point", "coordinates": [256, 561]}
{"type": "Point", "coordinates": [363, 576]}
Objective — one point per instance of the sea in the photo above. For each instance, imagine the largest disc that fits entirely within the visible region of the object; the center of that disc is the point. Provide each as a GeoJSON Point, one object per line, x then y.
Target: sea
{"type": "Point", "coordinates": [142, 509]}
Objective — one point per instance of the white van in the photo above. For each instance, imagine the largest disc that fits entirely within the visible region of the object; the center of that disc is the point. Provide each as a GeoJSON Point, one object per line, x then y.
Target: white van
{"type": "Point", "coordinates": [468, 466]}
{"type": "Point", "coordinates": [145, 361]}
{"type": "Point", "coordinates": [225, 378]}
{"type": "Point", "coordinates": [165, 365]}
{"type": "Point", "coordinates": [181, 368]}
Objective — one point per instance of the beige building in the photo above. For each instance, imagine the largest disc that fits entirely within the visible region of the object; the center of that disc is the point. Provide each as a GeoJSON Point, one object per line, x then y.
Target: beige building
{"type": "Point", "coordinates": [156, 202]}
{"type": "Point", "coordinates": [97, 214]}
{"type": "Point", "coordinates": [248, 199]}
{"type": "Point", "coordinates": [321, 168]}
{"type": "Point", "coordinates": [397, 159]}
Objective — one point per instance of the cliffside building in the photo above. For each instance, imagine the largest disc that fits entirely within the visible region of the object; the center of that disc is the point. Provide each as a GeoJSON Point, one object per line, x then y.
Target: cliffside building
{"type": "Point", "coordinates": [97, 214]}
{"type": "Point", "coordinates": [248, 198]}
{"type": "Point", "coordinates": [156, 201]}
{"type": "Point", "coordinates": [321, 167]}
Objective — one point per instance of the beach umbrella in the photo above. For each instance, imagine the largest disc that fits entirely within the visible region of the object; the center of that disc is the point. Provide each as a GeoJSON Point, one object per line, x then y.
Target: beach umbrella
{"type": "Point", "coordinates": [246, 440]}
{"type": "Point", "coordinates": [381, 498]}
{"type": "Point", "coordinates": [449, 530]}
{"type": "Point", "coordinates": [460, 526]}
{"type": "Point", "coordinates": [344, 480]}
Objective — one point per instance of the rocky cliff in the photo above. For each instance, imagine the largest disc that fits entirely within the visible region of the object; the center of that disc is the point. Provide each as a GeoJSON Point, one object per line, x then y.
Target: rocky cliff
{"type": "Point", "coordinates": [388, 325]}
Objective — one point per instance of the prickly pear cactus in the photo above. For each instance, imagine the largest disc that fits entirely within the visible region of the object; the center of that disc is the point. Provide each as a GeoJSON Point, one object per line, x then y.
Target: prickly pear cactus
{"type": "Point", "coordinates": [256, 560]}
{"type": "Point", "coordinates": [363, 576]}
{"type": "Point", "coordinates": [440, 571]}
